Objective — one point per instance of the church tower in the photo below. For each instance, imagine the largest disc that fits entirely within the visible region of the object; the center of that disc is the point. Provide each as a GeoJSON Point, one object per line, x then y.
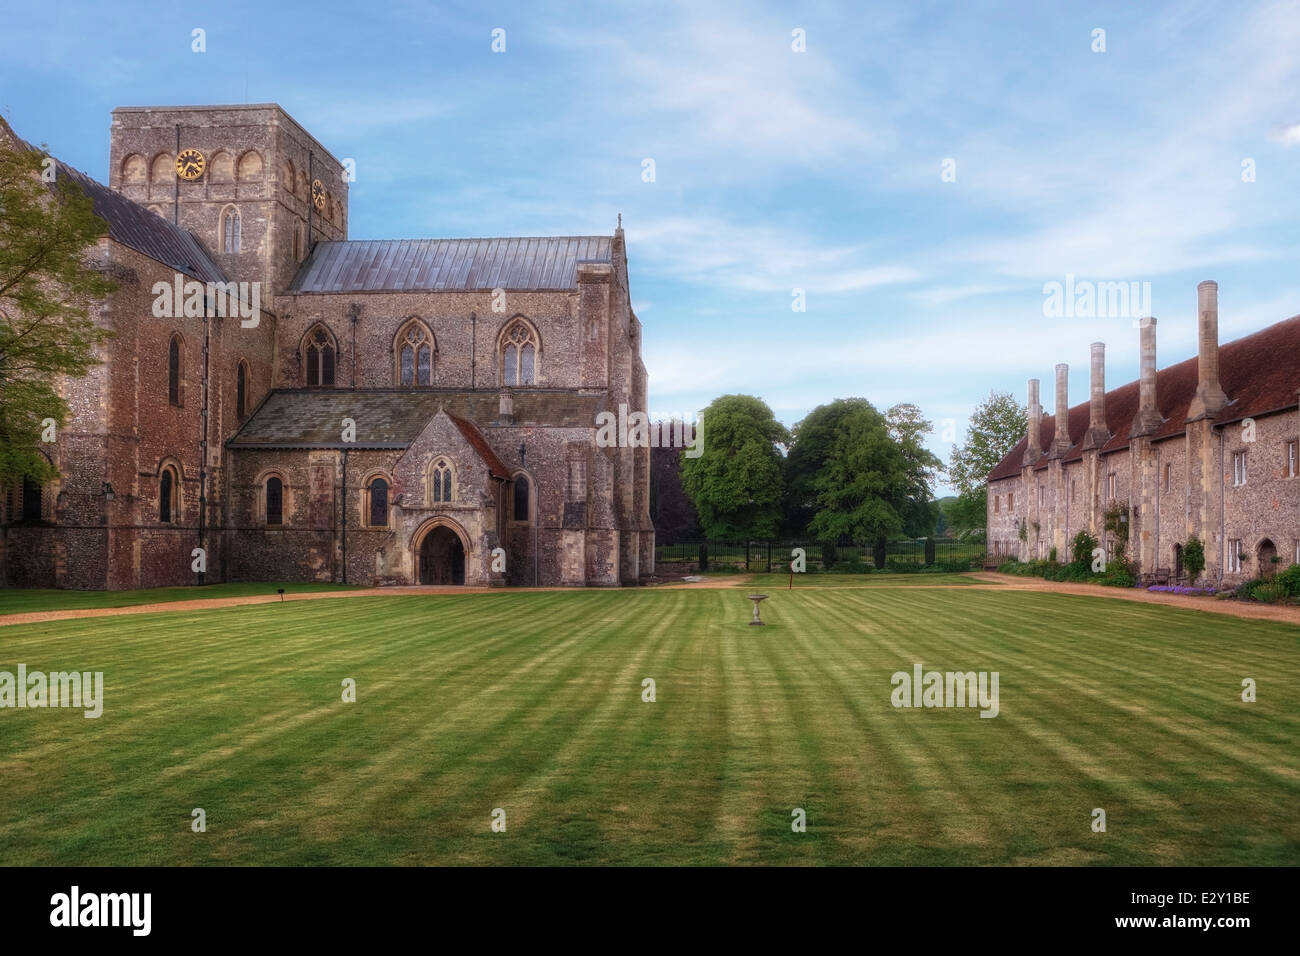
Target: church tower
{"type": "Point", "coordinates": [254, 186]}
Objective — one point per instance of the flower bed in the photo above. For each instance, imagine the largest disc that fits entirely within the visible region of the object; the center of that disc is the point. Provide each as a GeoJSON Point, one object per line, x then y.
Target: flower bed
{"type": "Point", "coordinates": [1180, 589]}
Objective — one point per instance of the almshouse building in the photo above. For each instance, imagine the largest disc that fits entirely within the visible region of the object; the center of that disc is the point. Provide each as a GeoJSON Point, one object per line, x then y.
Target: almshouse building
{"type": "Point", "coordinates": [392, 411]}
{"type": "Point", "coordinates": [1204, 448]}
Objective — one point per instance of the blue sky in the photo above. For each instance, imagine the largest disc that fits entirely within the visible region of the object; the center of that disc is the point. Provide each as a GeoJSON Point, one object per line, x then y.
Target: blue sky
{"type": "Point", "coordinates": [774, 169]}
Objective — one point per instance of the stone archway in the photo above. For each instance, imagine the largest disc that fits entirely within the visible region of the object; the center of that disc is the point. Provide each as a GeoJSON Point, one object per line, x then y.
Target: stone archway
{"type": "Point", "coordinates": [1267, 555]}
{"type": "Point", "coordinates": [441, 549]}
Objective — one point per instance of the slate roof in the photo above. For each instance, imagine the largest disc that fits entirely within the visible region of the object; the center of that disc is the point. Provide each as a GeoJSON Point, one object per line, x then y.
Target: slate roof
{"type": "Point", "coordinates": [135, 226]}
{"type": "Point", "coordinates": [1260, 374]}
{"type": "Point", "coordinates": [440, 265]}
{"type": "Point", "coordinates": [394, 418]}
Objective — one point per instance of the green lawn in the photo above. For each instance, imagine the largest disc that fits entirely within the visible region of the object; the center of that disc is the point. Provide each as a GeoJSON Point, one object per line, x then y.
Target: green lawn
{"type": "Point", "coordinates": [875, 579]}
{"type": "Point", "coordinates": [23, 600]}
{"type": "Point", "coordinates": [531, 702]}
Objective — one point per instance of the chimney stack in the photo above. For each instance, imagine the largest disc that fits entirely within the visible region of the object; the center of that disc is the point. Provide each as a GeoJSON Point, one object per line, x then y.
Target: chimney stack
{"type": "Point", "coordinates": [1098, 433]}
{"type": "Point", "coordinates": [1034, 449]}
{"type": "Point", "coordinates": [1210, 398]}
{"type": "Point", "coordinates": [1148, 419]}
{"type": "Point", "coordinates": [1061, 440]}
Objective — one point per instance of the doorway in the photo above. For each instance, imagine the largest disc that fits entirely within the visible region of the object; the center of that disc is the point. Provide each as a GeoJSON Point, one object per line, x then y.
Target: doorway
{"type": "Point", "coordinates": [442, 558]}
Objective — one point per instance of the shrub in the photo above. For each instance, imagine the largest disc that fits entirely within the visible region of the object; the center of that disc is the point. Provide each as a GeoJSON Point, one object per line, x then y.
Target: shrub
{"type": "Point", "coordinates": [1290, 579]}
{"type": "Point", "coordinates": [1193, 558]}
{"type": "Point", "coordinates": [1081, 551]}
{"type": "Point", "coordinates": [1051, 555]}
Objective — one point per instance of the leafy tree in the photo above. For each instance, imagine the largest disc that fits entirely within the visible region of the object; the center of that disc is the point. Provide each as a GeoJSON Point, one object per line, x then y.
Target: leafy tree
{"type": "Point", "coordinates": [864, 482]}
{"type": "Point", "coordinates": [813, 441]}
{"type": "Point", "coordinates": [908, 427]}
{"type": "Point", "coordinates": [996, 427]}
{"type": "Point", "coordinates": [735, 483]}
{"type": "Point", "coordinates": [47, 287]}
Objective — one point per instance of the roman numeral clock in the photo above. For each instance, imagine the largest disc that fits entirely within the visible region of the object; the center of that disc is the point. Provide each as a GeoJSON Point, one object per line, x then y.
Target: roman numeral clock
{"type": "Point", "coordinates": [190, 164]}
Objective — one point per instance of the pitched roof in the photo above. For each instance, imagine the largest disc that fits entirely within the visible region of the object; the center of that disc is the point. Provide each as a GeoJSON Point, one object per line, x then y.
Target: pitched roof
{"type": "Point", "coordinates": [438, 265]}
{"type": "Point", "coordinates": [147, 232]}
{"type": "Point", "coordinates": [394, 417]}
{"type": "Point", "coordinates": [1260, 374]}
{"type": "Point", "coordinates": [134, 226]}
{"type": "Point", "coordinates": [496, 467]}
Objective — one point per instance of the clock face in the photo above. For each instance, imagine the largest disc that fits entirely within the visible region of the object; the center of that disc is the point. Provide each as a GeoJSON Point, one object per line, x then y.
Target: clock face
{"type": "Point", "coordinates": [318, 194]}
{"type": "Point", "coordinates": [190, 164]}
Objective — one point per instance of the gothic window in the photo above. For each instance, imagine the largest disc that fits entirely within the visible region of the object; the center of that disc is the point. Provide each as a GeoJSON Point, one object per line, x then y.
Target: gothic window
{"type": "Point", "coordinates": [168, 495]}
{"type": "Point", "coordinates": [319, 357]}
{"type": "Point", "coordinates": [241, 391]}
{"type": "Point", "coordinates": [441, 481]}
{"type": "Point", "coordinates": [519, 354]}
{"type": "Point", "coordinates": [230, 229]}
{"type": "Point", "coordinates": [415, 349]}
{"type": "Point", "coordinates": [522, 491]}
{"type": "Point", "coordinates": [174, 393]}
{"type": "Point", "coordinates": [274, 500]}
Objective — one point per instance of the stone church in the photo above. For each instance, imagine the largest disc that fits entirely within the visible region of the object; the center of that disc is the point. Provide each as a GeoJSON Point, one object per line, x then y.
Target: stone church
{"type": "Point", "coordinates": [377, 412]}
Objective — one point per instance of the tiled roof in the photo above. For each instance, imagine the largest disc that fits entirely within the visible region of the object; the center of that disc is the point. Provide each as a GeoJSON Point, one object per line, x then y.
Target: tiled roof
{"type": "Point", "coordinates": [1260, 374]}
{"type": "Point", "coordinates": [134, 226]}
{"type": "Point", "coordinates": [437, 265]}
{"type": "Point", "coordinates": [480, 444]}
{"type": "Point", "coordinates": [394, 418]}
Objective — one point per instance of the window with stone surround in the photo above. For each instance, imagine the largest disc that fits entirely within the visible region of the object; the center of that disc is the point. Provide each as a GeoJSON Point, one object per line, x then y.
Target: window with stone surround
{"type": "Point", "coordinates": [377, 503]}
{"type": "Point", "coordinates": [997, 501]}
{"type": "Point", "coordinates": [522, 499]}
{"type": "Point", "coordinates": [1110, 486]}
{"type": "Point", "coordinates": [175, 370]}
{"type": "Point", "coordinates": [442, 481]}
{"type": "Point", "coordinates": [168, 495]}
{"type": "Point", "coordinates": [414, 348]}
{"type": "Point", "coordinates": [274, 500]}
{"type": "Point", "coordinates": [230, 228]}
{"type": "Point", "coordinates": [1169, 476]}
{"type": "Point", "coordinates": [1291, 464]}
{"type": "Point", "coordinates": [1011, 501]}
{"type": "Point", "coordinates": [519, 352]}
{"type": "Point", "coordinates": [1234, 555]}
{"type": "Point", "coordinates": [1238, 468]}
{"type": "Point", "coordinates": [319, 352]}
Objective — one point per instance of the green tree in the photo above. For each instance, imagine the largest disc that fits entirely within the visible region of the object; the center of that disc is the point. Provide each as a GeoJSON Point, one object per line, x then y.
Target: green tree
{"type": "Point", "coordinates": [47, 288]}
{"type": "Point", "coordinates": [996, 427]}
{"type": "Point", "coordinates": [735, 483]}
{"type": "Point", "coordinates": [908, 427]}
{"type": "Point", "coordinates": [862, 480]}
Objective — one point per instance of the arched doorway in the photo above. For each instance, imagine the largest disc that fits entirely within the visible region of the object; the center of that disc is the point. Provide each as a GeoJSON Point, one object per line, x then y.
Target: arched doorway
{"type": "Point", "coordinates": [1178, 561]}
{"type": "Point", "coordinates": [1267, 553]}
{"type": "Point", "coordinates": [442, 557]}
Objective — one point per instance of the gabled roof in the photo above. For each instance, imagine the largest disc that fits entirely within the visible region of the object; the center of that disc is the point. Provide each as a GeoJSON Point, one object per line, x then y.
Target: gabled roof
{"type": "Point", "coordinates": [1260, 374]}
{"type": "Point", "coordinates": [496, 467]}
{"type": "Point", "coordinates": [394, 417]}
{"type": "Point", "coordinates": [439, 265]}
{"type": "Point", "coordinates": [134, 226]}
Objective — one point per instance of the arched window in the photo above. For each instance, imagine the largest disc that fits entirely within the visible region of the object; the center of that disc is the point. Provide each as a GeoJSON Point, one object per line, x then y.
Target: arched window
{"type": "Point", "coordinates": [378, 503]}
{"type": "Point", "coordinates": [522, 490]}
{"type": "Point", "coordinates": [274, 500]}
{"type": "Point", "coordinates": [174, 393]}
{"type": "Point", "coordinates": [319, 357]}
{"type": "Point", "coordinates": [441, 481]}
{"type": "Point", "coordinates": [297, 242]}
{"type": "Point", "coordinates": [168, 496]}
{"type": "Point", "coordinates": [519, 349]}
{"type": "Point", "coordinates": [230, 229]}
{"type": "Point", "coordinates": [415, 347]}
{"type": "Point", "coordinates": [241, 391]}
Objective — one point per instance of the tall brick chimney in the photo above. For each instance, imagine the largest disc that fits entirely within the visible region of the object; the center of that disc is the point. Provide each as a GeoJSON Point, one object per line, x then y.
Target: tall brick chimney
{"type": "Point", "coordinates": [1098, 433]}
{"type": "Point", "coordinates": [1034, 450]}
{"type": "Point", "coordinates": [1061, 440]}
{"type": "Point", "coordinates": [1210, 398]}
{"type": "Point", "coordinates": [1148, 419]}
